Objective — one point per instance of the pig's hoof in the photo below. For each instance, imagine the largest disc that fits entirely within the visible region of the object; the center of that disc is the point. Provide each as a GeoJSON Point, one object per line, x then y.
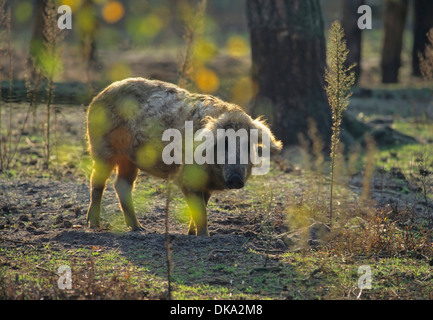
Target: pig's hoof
{"type": "Point", "coordinates": [94, 225]}
{"type": "Point", "coordinates": [138, 227]}
{"type": "Point", "coordinates": [203, 233]}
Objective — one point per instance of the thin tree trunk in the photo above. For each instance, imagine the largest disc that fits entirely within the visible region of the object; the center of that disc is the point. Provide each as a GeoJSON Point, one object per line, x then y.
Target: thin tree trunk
{"type": "Point", "coordinates": [394, 23]}
{"type": "Point", "coordinates": [38, 38]}
{"type": "Point", "coordinates": [353, 35]}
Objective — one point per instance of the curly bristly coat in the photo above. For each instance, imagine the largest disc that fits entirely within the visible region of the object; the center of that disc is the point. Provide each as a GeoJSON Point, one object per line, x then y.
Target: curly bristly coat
{"type": "Point", "coordinates": [125, 123]}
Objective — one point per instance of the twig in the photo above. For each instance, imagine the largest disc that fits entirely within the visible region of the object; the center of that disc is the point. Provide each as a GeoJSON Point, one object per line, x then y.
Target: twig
{"type": "Point", "coordinates": [359, 294]}
{"type": "Point", "coordinates": [47, 270]}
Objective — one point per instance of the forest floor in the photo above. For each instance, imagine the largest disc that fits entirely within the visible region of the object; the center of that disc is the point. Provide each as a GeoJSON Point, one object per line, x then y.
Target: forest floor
{"type": "Point", "coordinates": [268, 240]}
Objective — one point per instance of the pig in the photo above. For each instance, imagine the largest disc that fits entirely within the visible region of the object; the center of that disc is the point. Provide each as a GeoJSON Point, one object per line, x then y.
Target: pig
{"type": "Point", "coordinates": [125, 125]}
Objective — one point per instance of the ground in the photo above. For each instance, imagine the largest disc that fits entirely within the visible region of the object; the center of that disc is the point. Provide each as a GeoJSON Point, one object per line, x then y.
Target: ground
{"type": "Point", "coordinates": [269, 240]}
{"type": "Point", "coordinates": [256, 250]}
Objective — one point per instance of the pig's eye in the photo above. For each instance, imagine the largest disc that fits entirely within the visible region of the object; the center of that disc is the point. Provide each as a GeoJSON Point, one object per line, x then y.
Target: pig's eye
{"type": "Point", "coordinates": [259, 151]}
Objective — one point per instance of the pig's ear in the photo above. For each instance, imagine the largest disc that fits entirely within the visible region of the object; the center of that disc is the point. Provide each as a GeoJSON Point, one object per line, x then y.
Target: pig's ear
{"type": "Point", "coordinates": [209, 123]}
{"type": "Point", "coordinates": [212, 123]}
{"type": "Point", "coordinates": [264, 130]}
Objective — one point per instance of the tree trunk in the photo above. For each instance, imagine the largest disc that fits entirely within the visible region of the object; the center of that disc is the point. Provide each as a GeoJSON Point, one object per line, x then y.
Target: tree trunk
{"type": "Point", "coordinates": [422, 25]}
{"type": "Point", "coordinates": [289, 58]}
{"type": "Point", "coordinates": [38, 38]}
{"type": "Point", "coordinates": [353, 34]}
{"type": "Point", "coordinates": [394, 22]}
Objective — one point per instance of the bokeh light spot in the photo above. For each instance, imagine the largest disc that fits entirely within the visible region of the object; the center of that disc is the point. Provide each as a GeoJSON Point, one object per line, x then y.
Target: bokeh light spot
{"type": "Point", "coordinates": [86, 20]}
{"type": "Point", "coordinates": [119, 71]}
{"type": "Point", "coordinates": [237, 46]}
{"type": "Point", "coordinates": [23, 11]}
{"type": "Point", "coordinates": [243, 90]}
{"type": "Point", "coordinates": [204, 50]}
{"type": "Point", "coordinates": [143, 29]}
{"type": "Point", "coordinates": [207, 81]}
{"type": "Point", "coordinates": [128, 109]}
{"type": "Point", "coordinates": [113, 11]}
{"type": "Point", "coordinates": [194, 177]}
{"type": "Point", "coordinates": [147, 156]}
{"type": "Point", "coordinates": [74, 4]}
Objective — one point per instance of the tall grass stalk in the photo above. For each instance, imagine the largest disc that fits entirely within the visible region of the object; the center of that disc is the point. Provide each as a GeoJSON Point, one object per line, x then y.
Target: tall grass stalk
{"type": "Point", "coordinates": [193, 19]}
{"type": "Point", "coordinates": [426, 58]}
{"type": "Point", "coordinates": [50, 47]}
{"type": "Point", "coordinates": [339, 80]}
{"type": "Point", "coordinates": [167, 240]}
{"type": "Point", "coordinates": [8, 144]}
{"type": "Point", "coordinates": [6, 153]}
{"type": "Point", "coordinates": [317, 151]}
{"type": "Point", "coordinates": [51, 64]}
{"type": "Point", "coordinates": [10, 74]}
{"type": "Point", "coordinates": [2, 36]}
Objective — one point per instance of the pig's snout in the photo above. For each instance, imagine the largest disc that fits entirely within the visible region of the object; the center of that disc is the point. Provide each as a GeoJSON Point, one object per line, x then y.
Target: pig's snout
{"type": "Point", "coordinates": [235, 181]}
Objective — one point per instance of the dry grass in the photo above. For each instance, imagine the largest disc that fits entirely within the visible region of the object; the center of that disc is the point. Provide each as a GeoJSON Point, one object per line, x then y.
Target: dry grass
{"type": "Point", "coordinates": [426, 59]}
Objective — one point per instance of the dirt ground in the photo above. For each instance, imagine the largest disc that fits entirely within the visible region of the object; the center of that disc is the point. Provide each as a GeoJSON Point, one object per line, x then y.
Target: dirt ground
{"type": "Point", "coordinates": [54, 210]}
{"type": "Point", "coordinates": [47, 216]}
{"type": "Point", "coordinates": [44, 213]}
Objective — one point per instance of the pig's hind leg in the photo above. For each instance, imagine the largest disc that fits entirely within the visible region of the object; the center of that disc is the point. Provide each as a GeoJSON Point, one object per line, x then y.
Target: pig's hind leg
{"type": "Point", "coordinates": [126, 174]}
{"type": "Point", "coordinates": [100, 174]}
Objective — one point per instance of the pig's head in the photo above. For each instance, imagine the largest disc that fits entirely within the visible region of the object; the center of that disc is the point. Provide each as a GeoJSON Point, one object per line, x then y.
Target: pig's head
{"type": "Point", "coordinates": [233, 151]}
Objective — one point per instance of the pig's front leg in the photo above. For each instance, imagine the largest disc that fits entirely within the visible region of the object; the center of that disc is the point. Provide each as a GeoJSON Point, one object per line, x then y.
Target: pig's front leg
{"type": "Point", "coordinates": [197, 201]}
